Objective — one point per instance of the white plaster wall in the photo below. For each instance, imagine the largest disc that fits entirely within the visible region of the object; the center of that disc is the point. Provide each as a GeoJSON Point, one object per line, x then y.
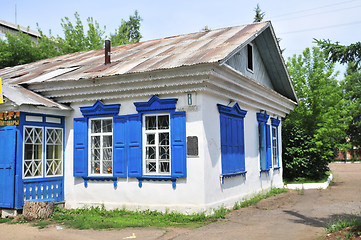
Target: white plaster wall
{"type": "Point", "coordinates": [188, 195]}
{"type": "Point", "coordinates": [235, 188]}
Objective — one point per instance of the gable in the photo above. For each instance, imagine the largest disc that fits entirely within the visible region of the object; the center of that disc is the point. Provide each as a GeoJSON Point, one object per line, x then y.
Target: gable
{"type": "Point", "coordinates": [259, 73]}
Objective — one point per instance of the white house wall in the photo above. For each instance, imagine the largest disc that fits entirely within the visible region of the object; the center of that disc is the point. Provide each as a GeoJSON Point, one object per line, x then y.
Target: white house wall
{"type": "Point", "coordinates": [188, 195]}
{"type": "Point", "coordinates": [239, 187]}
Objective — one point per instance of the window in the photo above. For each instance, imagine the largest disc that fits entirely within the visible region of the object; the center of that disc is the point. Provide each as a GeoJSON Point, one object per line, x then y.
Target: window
{"type": "Point", "coordinates": [232, 139]}
{"type": "Point", "coordinates": [275, 147]}
{"type": "Point", "coordinates": [250, 57]}
{"type": "Point", "coordinates": [33, 151]}
{"type": "Point", "coordinates": [54, 151]}
{"type": "Point", "coordinates": [96, 153]}
{"type": "Point", "coordinates": [156, 135]}
{"type": "Point", "coordinates": [35, 159]}
{"type": "Point", "coordinates": [265, 154]}
{"type": "Point", "coordinates": [101, 146]}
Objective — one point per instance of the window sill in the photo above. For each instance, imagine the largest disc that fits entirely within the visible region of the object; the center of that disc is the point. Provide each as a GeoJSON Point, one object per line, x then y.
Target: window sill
{"type": "Point", "coordinates": [157, 178]}
{"type": "Point", "coordinates": [229, 175]}
{"type": "Point", "coordinates": [277, 168]}
{"type": "Point", "coordinates": [42, 179]}
{"type": "Point", "coordinates": [264, 171]}
{"type": "Point", "coordinates": [114, 179]}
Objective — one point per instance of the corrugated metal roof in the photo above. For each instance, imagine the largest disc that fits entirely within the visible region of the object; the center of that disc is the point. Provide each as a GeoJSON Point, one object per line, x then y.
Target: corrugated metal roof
{"type": "Point", "coordinates": [21, 96]}
{"type": "Point", "coordinates": [184, 50]}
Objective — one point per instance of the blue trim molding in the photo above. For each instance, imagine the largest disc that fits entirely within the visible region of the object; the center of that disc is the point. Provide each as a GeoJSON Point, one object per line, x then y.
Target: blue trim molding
{"type": "Point", "coordinates": [156, 104]}
{"type": "Point", "coordinates": [86, 179]}
{"type": "Point", "coordinates": [275, 122]}
{"type": "Point", "coordinates": [157, 178]}
{"type": "Point", "coordinates": [234, 111]}
{"type": "Point", "coordinates": [229, 175]}
{"type": "Point", "coordinates": [99, 109]}
{"type": "Point", "coordinates": [262, 117]}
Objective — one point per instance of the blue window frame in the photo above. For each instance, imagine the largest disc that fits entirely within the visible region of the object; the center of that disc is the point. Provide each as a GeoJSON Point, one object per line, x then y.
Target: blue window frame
{"type": "Point", "coordinates": [275, 145]}
{"type": "Point", "coordinates": [232, 140]}
{"type": "Point", "coordinates": [93, 159]}
{"type": "Point", "coordinates": [173, 164]}
{"type": "Point", "coordinates": [265, 151]}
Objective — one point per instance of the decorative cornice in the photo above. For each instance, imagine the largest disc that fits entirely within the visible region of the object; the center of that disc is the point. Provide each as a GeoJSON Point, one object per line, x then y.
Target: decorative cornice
{"type": "Point", "coordinates": [234, 111]}
{"type": "Point", "coordinates": [99, 109]}
{"type": "Point", "coordinates": [262, 117]}
{"type": "Point", "coordinates": [275, 122]}
{"type": "Point", "coordinates": [156, 104]}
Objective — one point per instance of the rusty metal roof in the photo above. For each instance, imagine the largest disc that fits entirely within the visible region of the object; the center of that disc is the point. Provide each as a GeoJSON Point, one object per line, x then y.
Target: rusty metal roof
{"type": "Point", "coordinates": [184, 50]}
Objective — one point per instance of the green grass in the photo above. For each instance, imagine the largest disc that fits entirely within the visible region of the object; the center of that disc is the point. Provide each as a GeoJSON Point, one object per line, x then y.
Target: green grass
{"type": "Point", "coordinates": [300, 180]}
{"type": "Point", "coordinates": [42, 224]}
{"type": "Point", "coordinates": [99, 218]}
{"type": "Point", "coordinates": [342, 223]}
{"type": "Point", "coordinates": [258, 197]}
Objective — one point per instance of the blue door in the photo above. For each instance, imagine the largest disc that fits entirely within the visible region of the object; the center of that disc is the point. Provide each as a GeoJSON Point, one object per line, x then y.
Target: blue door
{"type": "Point", "coordinates": [7, 166]}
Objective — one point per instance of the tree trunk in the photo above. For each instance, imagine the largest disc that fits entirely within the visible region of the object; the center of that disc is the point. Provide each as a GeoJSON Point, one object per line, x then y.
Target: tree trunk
{"type": "Point", "coordinates": [37, 210]}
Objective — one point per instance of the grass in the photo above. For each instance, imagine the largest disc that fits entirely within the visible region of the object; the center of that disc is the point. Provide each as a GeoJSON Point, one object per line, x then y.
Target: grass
{"type": "Point", "coordinates": [99, 218]}
{"type": "Point", "coordinates": [258, 197]}
{"type": "Point", "coordinates": [300, 180]}
{"type": "Point", "coordinates": [343, 223]}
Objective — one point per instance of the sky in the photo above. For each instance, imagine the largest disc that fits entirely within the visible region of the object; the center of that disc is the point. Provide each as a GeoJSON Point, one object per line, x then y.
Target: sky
{"type": "Point", "coordinates": [296, 22]}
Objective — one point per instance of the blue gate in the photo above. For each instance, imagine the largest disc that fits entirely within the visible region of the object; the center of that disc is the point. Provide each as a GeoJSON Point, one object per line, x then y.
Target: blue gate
{"type": "Point", "coordinates": [7, 166]}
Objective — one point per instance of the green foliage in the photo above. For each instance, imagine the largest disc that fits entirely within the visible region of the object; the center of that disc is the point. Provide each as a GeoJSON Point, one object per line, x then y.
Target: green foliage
{"type": "Point", "coordinates": [341, 53]}
{"type": "Point", "coordinates": [258, 197]}
{"type": "Point", "coordinates": [259, 15]}
{"type": "Point", "coordinates": [42, 224]}
{"type": "Point", "coordinates": [20, 49]}
{"type": "Point", "coordinates": [315, 129]}
{"type": "Point", "coordinates": [128, 31]}
{"type": "Point", "coordinates": [342, 223]}
{"type": "Point", "coordinates": [99, 218]}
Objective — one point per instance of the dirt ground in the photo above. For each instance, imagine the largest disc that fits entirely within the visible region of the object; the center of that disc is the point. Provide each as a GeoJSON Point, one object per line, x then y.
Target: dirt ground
{"type": "Point", "coordinates": [294, 215]}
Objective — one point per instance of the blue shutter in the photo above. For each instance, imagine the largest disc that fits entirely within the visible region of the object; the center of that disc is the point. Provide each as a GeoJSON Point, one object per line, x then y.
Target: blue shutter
{"type": "Point", "coordinates": [80, 147]}
{"type": "Point", "coordinates": [262, 145]}
{"type": "Point", "coordinates": [178, 144]}
{"type": "Point", "coordinates": [241, 144]}
{"type": "Point", "coordinates": [268, 147]}
{"type": "Point", "coordinates": [134, 144]}
{"type": "Point", "coordinates": [119, 154]}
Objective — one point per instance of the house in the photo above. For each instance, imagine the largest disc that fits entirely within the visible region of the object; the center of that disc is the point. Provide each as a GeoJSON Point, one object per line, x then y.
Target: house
{"type": "Point", "coordinates": [185, 123]}
{"type": "Point", "coordinates": [13, 28]}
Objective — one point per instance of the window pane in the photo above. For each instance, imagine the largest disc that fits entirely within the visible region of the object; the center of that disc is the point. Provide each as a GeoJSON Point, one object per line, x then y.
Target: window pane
{"type": "Point", "coordinates": [150, 123]}
{"type": "Point", "coordinates": [58, 151]}
{"type": "Point", "coordinates": [150, 153]}
{"type": "Point", "coordinates": [28, 151]}
{"type": "Point", "coordinates": [163, 139]}
{"type": "Point", "coordinates": [38, 135]}
{"type": "Point", "coordinates": [95, 142]}
{"type": "Point", "coordinates": [107, 167]}
{"type": "Point", "coordinates": [96, 126]}
{"type": "Point", "coordinates": [150, 139]}
{"type": "Point", "coordinates": [163, 122]}
{"type": "Point", "coordinates": [107, 141]}
{"type": "Point", "coordinates": [95, 155]}
{"type": "Point", "coordinates": [107, 125]}
{"type": "Point", "coordinates": [107, 154]}
{"type": "Point", "coordinates": [95, 167]}
{"type": "Point", "coordinates": [38, 151]}
{"type": "Point", "coordinates": [164, 167]}
{"type": "Point", "coordinates": [151, 167]}
{"type": "Point", "coordinates": [163, 152]}
{"type": "Point", "coordinates": [49, 151]}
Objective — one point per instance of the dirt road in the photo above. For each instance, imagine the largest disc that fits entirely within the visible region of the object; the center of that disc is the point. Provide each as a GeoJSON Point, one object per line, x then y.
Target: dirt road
{"type": "Point", "coordinates": [293, 215]}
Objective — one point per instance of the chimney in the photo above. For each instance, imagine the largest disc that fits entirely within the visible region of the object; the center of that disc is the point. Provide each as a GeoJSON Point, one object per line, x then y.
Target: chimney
{"type": "Point", "coordinates": [107, 52]}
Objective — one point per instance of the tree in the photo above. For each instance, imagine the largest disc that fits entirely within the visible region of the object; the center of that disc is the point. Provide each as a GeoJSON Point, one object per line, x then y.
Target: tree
{"type": "Point", "coordinates": [258, 17]}
{"type": "Point", "coordinates": [318, 121]}
{"type": "Point", "coordinates": [128, 31]}
{"type": "Point", "coordinates": [341, 53]}
{"type": "Point", "coordinates": [20, 49]}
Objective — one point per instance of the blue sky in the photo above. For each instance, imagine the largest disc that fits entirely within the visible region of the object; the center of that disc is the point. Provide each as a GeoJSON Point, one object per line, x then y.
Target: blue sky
{"type": "Point", "coordinates": [295, 22]}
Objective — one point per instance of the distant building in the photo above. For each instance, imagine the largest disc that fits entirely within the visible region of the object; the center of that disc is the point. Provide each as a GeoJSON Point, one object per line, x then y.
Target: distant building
{"type": "Point", "coordinates": [13, 28]}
